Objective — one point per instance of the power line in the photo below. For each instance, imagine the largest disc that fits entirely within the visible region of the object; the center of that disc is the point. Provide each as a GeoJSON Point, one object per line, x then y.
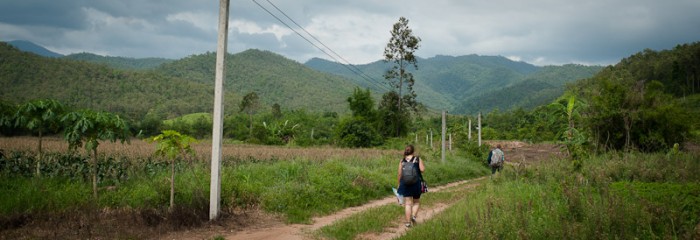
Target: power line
{"type": "Point", "coordinates": [319, 41]}
{"type": "Point", "coordinates": [356, 70]}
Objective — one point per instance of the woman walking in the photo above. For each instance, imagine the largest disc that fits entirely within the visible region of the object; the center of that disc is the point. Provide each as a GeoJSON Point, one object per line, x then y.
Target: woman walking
{"type": "Point", "coordinates": [410, 175]}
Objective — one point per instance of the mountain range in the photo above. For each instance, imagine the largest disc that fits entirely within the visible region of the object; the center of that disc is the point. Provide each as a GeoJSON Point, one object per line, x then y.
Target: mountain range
{"type": "Point", "coordinates": [136, 87]}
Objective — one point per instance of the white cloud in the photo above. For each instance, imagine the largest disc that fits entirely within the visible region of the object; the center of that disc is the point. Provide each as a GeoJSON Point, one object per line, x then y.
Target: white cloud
{"type": "Point", "coordinates": [248, 27]}
{"type": "Point", "coordinates": [202, 20]}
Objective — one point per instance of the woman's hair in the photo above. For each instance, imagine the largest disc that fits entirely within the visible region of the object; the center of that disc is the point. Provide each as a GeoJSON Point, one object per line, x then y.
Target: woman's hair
{"type": "Point", "coordinates": [409, 150]}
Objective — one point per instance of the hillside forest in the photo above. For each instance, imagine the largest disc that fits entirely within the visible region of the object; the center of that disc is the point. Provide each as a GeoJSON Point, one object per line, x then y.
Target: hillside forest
{"type": "Point", "coordinates": [647, 101]}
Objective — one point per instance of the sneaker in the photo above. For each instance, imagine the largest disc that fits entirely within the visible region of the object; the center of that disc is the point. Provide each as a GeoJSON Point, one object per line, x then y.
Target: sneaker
{"type": "Point", "coordinates": [408, 225]}
{"type": "Point", "coordinates": [413, 220]}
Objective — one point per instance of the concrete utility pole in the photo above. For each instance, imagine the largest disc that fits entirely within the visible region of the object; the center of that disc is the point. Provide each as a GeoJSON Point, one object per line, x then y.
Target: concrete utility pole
{"type": "Point", "coordinates": [450, 142]}
{"type": "Point", "coordinates": [470, 130]}
{"type": "Point", "coordinates": [431, 138]}
{"type": "Point", "coordinates": [444, 132]}
{"type": "Point", "coordinates": [479, 129]}
{"type": "Point", "coordinates": [217, 132]}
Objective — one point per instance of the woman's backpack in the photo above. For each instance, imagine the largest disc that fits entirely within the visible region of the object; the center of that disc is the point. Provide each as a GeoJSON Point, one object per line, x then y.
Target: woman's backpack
{"type": "Point", "coordinates": [496, 158]}
{"type": "Point", "coordinates": [409, 173]}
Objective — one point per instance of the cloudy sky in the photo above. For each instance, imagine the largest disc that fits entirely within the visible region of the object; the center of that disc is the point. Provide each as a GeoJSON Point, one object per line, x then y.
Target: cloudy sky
{"type": "Point", "coordinates": [541, 32]}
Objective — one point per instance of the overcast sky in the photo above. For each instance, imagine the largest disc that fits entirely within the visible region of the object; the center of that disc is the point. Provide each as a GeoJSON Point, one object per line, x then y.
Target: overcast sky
{"type": "Point", "coordinates": [541, 32]}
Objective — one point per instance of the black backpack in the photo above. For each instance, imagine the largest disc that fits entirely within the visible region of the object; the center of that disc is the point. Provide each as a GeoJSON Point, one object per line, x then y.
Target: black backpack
{"type": "Point", "coordinates": [409, 173]}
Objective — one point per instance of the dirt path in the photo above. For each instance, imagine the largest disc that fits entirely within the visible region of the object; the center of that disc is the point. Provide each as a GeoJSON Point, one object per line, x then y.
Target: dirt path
{"type": "Point", "coordinates": [274, 228]}
{"type": "Point", "coordinates": [300, 231]}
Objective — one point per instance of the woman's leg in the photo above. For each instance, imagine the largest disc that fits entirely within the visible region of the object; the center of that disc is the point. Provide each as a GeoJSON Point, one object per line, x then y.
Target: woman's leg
{"type": "Point", "coordinates": [415, 207]}
{"type": "Point", "coordinates": [408, 208]}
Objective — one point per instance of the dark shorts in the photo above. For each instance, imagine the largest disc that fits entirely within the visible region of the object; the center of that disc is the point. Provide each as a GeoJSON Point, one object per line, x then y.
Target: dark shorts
{"type": "Point", "coordinates": [412, 190]}
{"type": "Point", "coordinates": [494, 169]}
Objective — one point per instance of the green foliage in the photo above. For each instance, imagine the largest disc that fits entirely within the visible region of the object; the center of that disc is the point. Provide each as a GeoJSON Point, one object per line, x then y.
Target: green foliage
{"type": "Point", "coordinates": [119, 62]}
{"type": "Point", "coordinates": [469, 84]}
{"type": "Point", "coordinates": [40, 116]}
{"type": "Point", "coordinates": [357, 132]}
{"type": "Point", "coordinates": [399, 51]}
{"type": "Point", "coordinates": [198, 125]}
{"type": "Point", "coordinates": [172, 144]}
{"type": "Point", "coordinates": [614, 196]}
{"type": "Point", "coordinates": [88, 128]}
{"type": "Point", "coordinates": [392, 121]}
{"type": "Point", "coordinates": [625, 113]}
{"type": "Point", "coordinates": [7, 118]}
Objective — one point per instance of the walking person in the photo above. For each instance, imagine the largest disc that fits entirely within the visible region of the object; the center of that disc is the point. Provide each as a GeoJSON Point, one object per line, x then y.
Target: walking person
{"type": "Point", "coordinates": [410, 175]}
{"type": "Point", "coordinates": [496, 159]}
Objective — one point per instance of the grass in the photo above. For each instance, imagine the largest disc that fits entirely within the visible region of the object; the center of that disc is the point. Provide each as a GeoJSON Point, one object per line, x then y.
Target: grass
{"type": "Point", "coordinates": [377, 219]}
{"type": "Point", "coordinates": [297, 186]}
{"type": "Point", "coordinates": [615, 196]}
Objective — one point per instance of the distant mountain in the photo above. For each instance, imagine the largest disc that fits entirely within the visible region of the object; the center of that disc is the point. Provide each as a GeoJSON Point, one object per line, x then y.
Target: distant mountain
{"type": "Point", "coordinates": [120, 62]}
{"type": "Point", "coordinates": [273, 77]}
{"type": "Point", "coordinates": [172, 89]}
{"type": "Point", "coordinates": [538, 88]}
{"type": "Point", "coordinates": [79, 85]}
{"type": "Point", "coordinates": [472, 83]}
{"type": "Point", "coordinates": [31, 47]}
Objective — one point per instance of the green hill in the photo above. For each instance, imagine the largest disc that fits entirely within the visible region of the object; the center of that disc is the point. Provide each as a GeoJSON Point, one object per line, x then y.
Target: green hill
{"type": "Point", "coordinates": [31, 47]}
{"type": "Point", "coordinates": [120, 62]}
{"type": "Point", "coordinates": [26, 76]}
{"type": "Point", "coordinates": [536, 89]}
{"type": "Point", "coordinates": [172, 89]}
{"type": "Point", "coordinates": [467, 84]}
{"type": "Point", "coordinates": [273, 77]}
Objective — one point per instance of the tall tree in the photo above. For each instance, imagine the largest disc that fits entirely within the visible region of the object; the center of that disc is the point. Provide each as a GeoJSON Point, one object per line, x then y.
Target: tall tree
{"type": "Point", "coordinates": [392, 120]}
{"type": "Point", "coordinates": [362, 104]}
{"type": "Point", "coordinates": [88, 128]}
{"type": "Point", "coordinates": [250, 105]}
{"type": "Point", "coordinates": [40, 117]}
{"type": "Point", "coordinates": [400, 51]}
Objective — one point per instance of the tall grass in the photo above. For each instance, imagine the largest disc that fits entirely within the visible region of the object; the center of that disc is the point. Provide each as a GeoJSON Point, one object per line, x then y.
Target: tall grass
{"type": "Point", "coordinates": [615, 196]}
{"type": "Point", "coordinates": [298, 187]}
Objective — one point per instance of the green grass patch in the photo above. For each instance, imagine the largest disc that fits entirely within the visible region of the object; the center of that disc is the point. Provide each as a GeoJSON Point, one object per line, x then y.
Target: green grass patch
{"type": "Point", "coordinates": [296, 188]}
{"type": "Point", "coordinates": [614, 196]}
{"type": "Point", "coordinates": [189, 118]}
{"type": "Point", "coordinates": [376, 219]}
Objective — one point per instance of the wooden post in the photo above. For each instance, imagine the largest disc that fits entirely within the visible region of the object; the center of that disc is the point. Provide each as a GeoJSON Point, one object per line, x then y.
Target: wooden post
{"type": "Point", "coordinates": [217, 132]}
{"type": "Point", "coordinates": [444, 132]}
{"type": "Point", "coordinates": [479, 129]}
{"type": "Point", "coordinates": [431, 138]}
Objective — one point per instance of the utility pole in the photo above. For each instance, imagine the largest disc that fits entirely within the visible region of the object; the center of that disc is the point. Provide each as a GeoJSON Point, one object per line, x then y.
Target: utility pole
{"type": "Point", "coordinates": [444, 132]}
{"type": "Point", "coordinates": [217, 132]}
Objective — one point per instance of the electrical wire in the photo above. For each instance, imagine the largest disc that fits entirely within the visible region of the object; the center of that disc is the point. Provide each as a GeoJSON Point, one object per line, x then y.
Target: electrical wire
{"type": "Point", "coordinates": [353, 69]}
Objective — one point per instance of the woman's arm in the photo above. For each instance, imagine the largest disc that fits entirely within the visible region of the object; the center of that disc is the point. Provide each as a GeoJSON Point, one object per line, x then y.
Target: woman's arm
{"type": "Point", "coordinates": [398, 179]}
{"type": "Point", "coordinates": [420, 165]}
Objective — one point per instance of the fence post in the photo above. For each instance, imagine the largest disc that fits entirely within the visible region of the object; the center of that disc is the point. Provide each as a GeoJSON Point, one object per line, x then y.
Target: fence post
{"type": "Point", "coordinates": [479, 129]}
